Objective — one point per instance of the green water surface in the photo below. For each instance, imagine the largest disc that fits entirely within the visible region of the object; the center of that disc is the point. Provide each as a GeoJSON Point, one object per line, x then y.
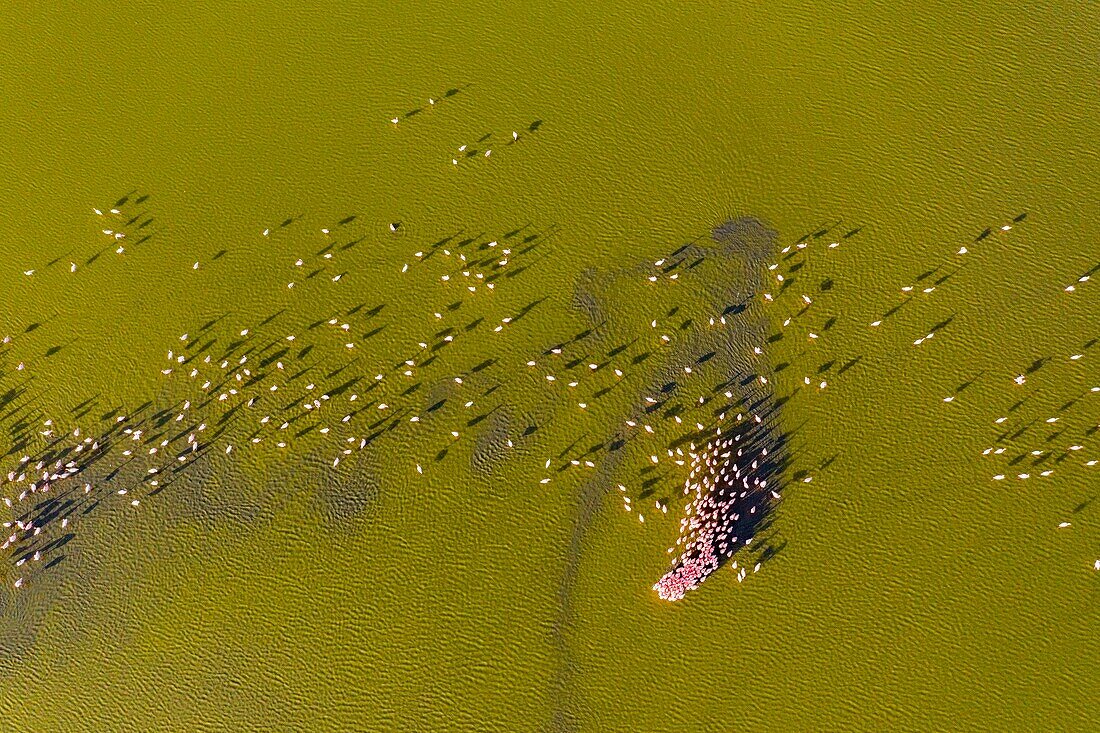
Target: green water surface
{"type": "Point", "coordinates": [913, 592]}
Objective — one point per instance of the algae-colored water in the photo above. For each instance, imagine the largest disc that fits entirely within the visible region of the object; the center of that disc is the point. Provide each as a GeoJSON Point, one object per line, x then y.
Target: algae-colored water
{"type": "Point", "coordinates": [912, 591]}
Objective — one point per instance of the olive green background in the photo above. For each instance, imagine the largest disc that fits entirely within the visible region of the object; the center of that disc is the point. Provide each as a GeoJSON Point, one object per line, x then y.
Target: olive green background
{"type": "Point", "coordinates": [914, 593]}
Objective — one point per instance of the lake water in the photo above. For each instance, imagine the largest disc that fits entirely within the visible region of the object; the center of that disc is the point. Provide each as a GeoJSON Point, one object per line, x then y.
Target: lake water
{"type": "Point", "coordinates": [911, 592]}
